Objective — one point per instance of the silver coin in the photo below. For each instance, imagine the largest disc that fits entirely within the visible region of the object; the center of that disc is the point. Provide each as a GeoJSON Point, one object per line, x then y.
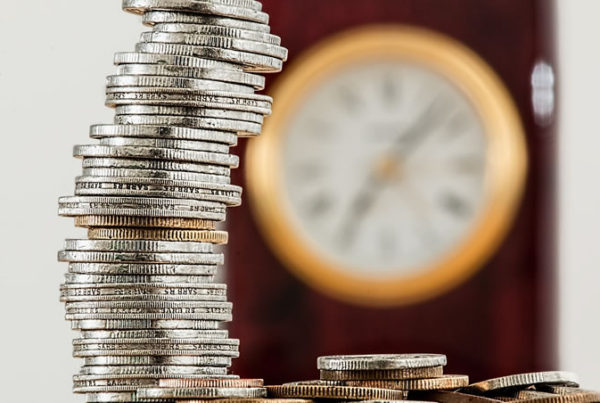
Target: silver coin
{"type": "Point", "coordinates": [159, 349]}
{"type": "Point", "coordinates": [153, 334]}
{"type": "Point", "coordinates": [220, 30]}
{"type": "Point", "coordinates": [91, 384]}
{"type": "Point", "coordinates": [159, 17]}
{"type": "Point", "coordinates": [126, 245]}
{"type": "Point", "coordinates": [521, 380]}
{"type": "Point", "coordinates": [212, 41]}
{"type": "Point", "coordinates": [225, 344]}
{"type": "Point", "coordinates": [156, 153]}
{"type": "Point", "coordinates": [140, 206]}
{"type": "Point", "coordinates": [163, 132]}
{"type": "Point", "coordinates": [149, 316]}
{"type": "Point", "coordinates": [379, 362]}
{"type": "Point", "coordinates": [173, 60]}
{"type": "Point", "coordinates": [140, 372]}
{"type": "Point", "coordinates": [242, 128]}
{"type": "Point", "coordinates": [139, 257]}
{"type": "Point", "coordinates": [192, 145]}
{"type": "Point", "coordinates": [151, 306]}
{"type": "Point", "coordinates": [189, 112]}
{"type": "Point", "coordinates": [151, 187]}
{"type": "Point", "coordinates": [156, 165]}
{"type": "Point", "coordinates": [184, 292]}
{"type": "Point", "coordinates": [88, 279]}
{"type": "Point", "coordinates": [145, 270]}
{"type": "Point", "coordinates": [204, 360]}
{"type": "Point", "coordinates": [230, 76]}
{"type": "Point", "coordinates": [252, 62]}
{"type": "Point", "coordinates": [190, 84]}
{"type": "Point", "coordinates": [167, 97]}
{"type": "Point", "coordinates": [201, 393]}
{"type": "Point", "coordinates": [196, 6]}
{"type": "Point", "coordinates": [96, 324]}
{"type": "Point", "coordinates": [156, 174]}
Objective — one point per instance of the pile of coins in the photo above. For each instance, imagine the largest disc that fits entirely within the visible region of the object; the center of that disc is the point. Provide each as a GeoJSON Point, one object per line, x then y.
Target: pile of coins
{"type": "Point", "coordinates": [420, 377]}
{"type": "Point", "coordinates": [141, 287]}
{"type": "Point", "coordinates": [373, 377]}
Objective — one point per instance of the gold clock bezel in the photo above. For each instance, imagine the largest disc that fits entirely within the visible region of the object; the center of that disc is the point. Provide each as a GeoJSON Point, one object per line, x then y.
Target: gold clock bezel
{"type": "Point", "coordinates": [506, 164]}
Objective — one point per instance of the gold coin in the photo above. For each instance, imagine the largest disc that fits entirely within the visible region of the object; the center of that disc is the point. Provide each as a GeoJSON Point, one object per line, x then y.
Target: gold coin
{"type": "Point", "coordinates": [392, 374]}
{"type": "Point", "coordinates": [211, 383]}
{"type": "Point", "coordinates": [218, 237]}
{"type": "Point", "coordinates": [334, 392]}
{"type": "Point", "coordinates": [146, 222]}
{"type": "Point", "coordinates": [444, 382]}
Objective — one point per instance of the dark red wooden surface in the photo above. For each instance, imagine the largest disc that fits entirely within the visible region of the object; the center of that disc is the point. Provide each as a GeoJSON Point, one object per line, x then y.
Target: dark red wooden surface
{"type": "Point", "coordinates": [502, 320]}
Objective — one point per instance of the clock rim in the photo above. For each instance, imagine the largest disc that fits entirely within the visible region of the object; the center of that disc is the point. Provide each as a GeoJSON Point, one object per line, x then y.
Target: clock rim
{"type": "Point", "coordinates": [506, 165]}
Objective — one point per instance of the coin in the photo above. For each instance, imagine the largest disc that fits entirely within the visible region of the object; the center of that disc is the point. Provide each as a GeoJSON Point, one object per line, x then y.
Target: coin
{"type": "Point", "coordinates": [167, 132]}
{"type": "Point", "coordinates": [144, 222]}
{"type": "Point", "coordinates": [186, 111]}
{"type": "Point", "coordinates": [103, 324]}
{"type": "Point", "coordinates": [217, 237]}
{"type": "Point", "coordinates": [129, 163]}
{"type": "Point", "coordinates": [393, 374]}
{"type": "Point", "coordinates": [157, 17]}
{"type": "Point", "coordinates": [129, 245]}
{"type": "Point", "coordinates": [334, 392]}
{"type": "Point", "coordinates": [533, 378]}
{"type": "Point", "coordinates": [211, 383]}
{"type": "Point", "coordinates": [443, 382]}
{"type": "Point", "coordinates": [215, 30]}
{"type": "Point", "coordinates": [379, 362]}
{"type": "Point", "coordinates": [142, 269]}
{"type": "Point", "coordinates": [201, 361]}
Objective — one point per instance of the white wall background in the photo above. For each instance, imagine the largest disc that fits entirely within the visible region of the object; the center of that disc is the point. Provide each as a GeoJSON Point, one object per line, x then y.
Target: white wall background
{"type": "Point", "coordinates": [54, 55]}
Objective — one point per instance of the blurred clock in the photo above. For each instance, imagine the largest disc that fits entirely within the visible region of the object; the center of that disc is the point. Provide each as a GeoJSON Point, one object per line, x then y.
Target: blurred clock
{"type": "Point", "coordinates": [391, 167]}
{"type": "Point", "coordinates": [401, 198]}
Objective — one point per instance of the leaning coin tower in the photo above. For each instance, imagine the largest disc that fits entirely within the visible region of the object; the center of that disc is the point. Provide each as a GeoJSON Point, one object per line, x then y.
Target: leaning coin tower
{"type": "Point", "coordinates": [154, 187]}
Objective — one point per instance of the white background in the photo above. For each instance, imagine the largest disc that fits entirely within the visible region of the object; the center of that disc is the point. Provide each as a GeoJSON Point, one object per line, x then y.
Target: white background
{"type": "Point", "coordinates": [54, 56]}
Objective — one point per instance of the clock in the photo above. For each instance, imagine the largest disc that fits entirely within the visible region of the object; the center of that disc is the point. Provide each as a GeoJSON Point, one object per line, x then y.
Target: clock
{"type": "Point", "coordinates": [391, 168]}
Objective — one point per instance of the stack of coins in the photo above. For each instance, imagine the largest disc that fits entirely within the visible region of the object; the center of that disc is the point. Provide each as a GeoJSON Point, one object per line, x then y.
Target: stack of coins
{"type": "Point", "coordinates": [373, 377]}
{"type": "Point", "coordinates": [536, 387]}
{"type": "Point", "coordinates": [141, 287]}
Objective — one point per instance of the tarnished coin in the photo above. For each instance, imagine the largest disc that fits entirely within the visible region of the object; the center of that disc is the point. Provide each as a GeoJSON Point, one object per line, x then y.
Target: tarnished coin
{"type": "Point", "coordinates": [140, 257]}
{"type": "Point", "coordinates": [230, 195]}
{"type": "Point", "coordinates": [158, 17]}
{"type": "Point", "coordinates": [115, 281]}
{"type": "Point", "coordinates": [141, 206]}
{"type": "Point", "coordinates": [129, 245]}
{"type": "Point", "coordinates": [195, 39]}
{"type": "Point", "coordinates": [520, 380]}
{"type": "Point", "coordinates": [171, 97]}
{"type": "Point", "coordinates": [241, 127]}
{"type": "Point", "coordinates": [334, 392]}
{"type": "Point", "coordinates": [216, 237]}
{"type": "Point", "coordinates": [379, 362]}
{"type": "Point", "coordinates": [392, 374]}
{"type": "Point", "coordinates": [192, 145]}
{"type": "Point", "coordinates": [190, 84]}
{"type": "Point", "coordinates": [211, 383]}
{"type": "Point", "coordinates": [144, 222]}
{"type": "Point", "coordinates": [200, 393]}
{"type": "Point", "coordinates": [205, 360]}
{"type": "Point", "coordinates": [445, 382]}
{"type": "Point", "coordinates": [196, 6]}
{"type": "Point", "coordinates": [142, 269]}
{"type": "Point", "coordinates": [94, 151]}
{"type": "Point", "coordinates": [150, 371]}
{"type": "Point", "coordinates": [184, 111]}
{"type": "Point", "coordinates": [166, 132]}
{"type": "Point", "coordinates": [124, 324]}
{"type": "Point", "coordinates": [157, 165]}
{"type": "Point", "coordinates": [218, 30]}
{"type": "Point", "coordinates": [155, 334]}
{"type": "Point", "coordinates": [252, 62]}
{"type": "Point", "coordinates": [230, 76]}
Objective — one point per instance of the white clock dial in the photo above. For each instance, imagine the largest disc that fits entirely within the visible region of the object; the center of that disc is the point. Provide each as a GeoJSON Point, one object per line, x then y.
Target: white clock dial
{"type": "Point", "coordinates": [384, 167]}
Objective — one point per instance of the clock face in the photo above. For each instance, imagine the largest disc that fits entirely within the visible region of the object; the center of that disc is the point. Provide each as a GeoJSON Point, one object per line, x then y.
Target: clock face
{"type": "Point", "coordinates": [391, 168]}
{"type": "Point", "coordinates": [384, 167]}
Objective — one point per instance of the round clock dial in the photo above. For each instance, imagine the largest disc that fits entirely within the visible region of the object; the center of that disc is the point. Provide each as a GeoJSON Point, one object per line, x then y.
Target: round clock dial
{"type": "Point", "coordinates": [391, 167]}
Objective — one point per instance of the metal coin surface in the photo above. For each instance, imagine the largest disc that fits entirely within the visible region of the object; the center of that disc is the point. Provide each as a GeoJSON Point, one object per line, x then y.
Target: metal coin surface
{"type": "Point", "coordinates": [200, 393]}
{"type": "Point", "coordinates": [334, 392]}
{"type": "Point", "coordinates": [380, 362]}
{"type": "Point", "coordinates": [173, 132]}
{"type": "Point", "coordinates": [521, 380]}
{"type": "Point", "coordinates": [445, 382]}
{"type": "Point", "coordinates": [211, 383]}
{"type": "Point", "coordinates": [393, 374]}
{"type": "Point", "coordinates": [157, 17]}
{"type": "Point", "coordinates": [216, 237]}
{"type": "Point", "coordinates": [144, 222]}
